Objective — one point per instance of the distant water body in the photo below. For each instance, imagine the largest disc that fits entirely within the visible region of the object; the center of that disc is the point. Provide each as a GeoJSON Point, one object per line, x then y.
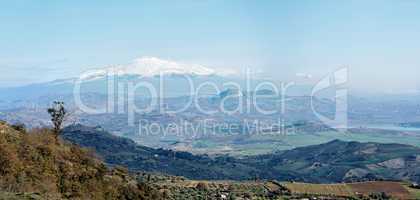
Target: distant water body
{"type": "Point", "coordinates": [393, 127]}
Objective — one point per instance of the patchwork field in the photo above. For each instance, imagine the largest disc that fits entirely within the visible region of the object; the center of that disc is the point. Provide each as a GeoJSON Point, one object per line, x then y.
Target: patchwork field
{"type": "Point", "coordinates": [394, 189]}
{"type": "Point", "coordinates": [241, 145]}
{"type": "Point", "coordinates": [320, 189]}
{"type": "Point", "coordinates": [181, 188]}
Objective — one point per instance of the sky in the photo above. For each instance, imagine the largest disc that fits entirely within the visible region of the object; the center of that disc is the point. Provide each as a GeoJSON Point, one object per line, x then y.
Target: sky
{"type": "Point", "coordinates": [378, 41]}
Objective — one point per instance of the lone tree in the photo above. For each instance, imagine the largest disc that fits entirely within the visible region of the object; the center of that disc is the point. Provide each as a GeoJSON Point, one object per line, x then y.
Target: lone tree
{"type": "Point", "coordinates": [58, 116]}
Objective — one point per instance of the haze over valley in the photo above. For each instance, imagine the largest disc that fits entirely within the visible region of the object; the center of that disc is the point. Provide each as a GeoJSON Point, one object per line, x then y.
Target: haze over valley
{"type": "Point", "coordinates": [209, 100]}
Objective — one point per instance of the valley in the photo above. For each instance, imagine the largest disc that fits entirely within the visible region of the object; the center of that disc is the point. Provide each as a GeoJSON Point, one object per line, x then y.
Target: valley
{"type": "Point", "coordinates": [241, 134]}
{"type": "Point", "coordinates": [330, 162]}
{"type": "Point", "coordinates": [210, 100]}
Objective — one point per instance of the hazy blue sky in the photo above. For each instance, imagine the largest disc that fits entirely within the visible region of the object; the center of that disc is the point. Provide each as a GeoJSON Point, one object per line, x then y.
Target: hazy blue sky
{"type": "Point", "coordinates": [379, 40]}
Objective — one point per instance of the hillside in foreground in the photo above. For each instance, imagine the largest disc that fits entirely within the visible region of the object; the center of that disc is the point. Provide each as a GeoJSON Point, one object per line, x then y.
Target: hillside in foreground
{"type": "Point", "coordinates": [36, 166]}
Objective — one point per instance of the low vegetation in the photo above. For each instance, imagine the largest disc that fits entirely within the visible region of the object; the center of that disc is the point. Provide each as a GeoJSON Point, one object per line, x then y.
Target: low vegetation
{"type": "Point", "coordinates": [36, 164]}
{"type": "Point", "coordinates": [173, 187]}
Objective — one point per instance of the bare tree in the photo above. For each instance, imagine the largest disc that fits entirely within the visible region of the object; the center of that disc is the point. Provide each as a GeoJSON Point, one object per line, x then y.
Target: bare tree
{"type": "Point", "coordinates": [58, 116]}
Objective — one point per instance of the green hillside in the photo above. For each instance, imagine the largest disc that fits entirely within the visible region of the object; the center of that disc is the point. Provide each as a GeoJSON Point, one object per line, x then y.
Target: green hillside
{"type": "Point", "coordinates": [335, 161]}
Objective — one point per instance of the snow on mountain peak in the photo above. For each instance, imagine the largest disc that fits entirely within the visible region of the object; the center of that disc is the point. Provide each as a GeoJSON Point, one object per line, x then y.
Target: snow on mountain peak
{"type": "Point", "coordinates": [152, 66]}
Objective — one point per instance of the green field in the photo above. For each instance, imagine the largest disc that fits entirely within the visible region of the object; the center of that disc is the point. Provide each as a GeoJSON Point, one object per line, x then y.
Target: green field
{"type": "Point", "coordinates": [240, 145]}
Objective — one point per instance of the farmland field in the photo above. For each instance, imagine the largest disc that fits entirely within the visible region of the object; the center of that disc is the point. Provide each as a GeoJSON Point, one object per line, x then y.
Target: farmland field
{"type": "Point", "coordinates": [391, 188]}
{"type": "Point", "coordinates": [240, 145]}
{"type": "Point", "coordinates": [320, 189]}
{"type": "Point", "coordinates": [394, 189]}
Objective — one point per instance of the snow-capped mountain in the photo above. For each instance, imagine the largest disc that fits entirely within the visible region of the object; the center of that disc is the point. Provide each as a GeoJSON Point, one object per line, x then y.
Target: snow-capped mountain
{"type": "Point", "coordinates": [163, 78]}
{"type": "Point", "coordinates": [152, 66]}
{"type": "Point", "coordinates": [145, 69]}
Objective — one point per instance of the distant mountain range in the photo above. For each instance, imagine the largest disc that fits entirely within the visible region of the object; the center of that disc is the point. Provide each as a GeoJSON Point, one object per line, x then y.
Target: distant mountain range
{"type": "Point", "coordinates": [169, 78]}
{"type": "Point", "coordinates": [152, 66]}
{"type": "Point", "coordinates": [335, 161]}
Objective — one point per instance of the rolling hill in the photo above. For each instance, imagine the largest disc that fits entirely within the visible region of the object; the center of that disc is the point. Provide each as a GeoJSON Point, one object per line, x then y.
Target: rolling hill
{"type": "Point", "coordinates": [122, 151]}
{"type": "Point", "coordinates": [335, 161]}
